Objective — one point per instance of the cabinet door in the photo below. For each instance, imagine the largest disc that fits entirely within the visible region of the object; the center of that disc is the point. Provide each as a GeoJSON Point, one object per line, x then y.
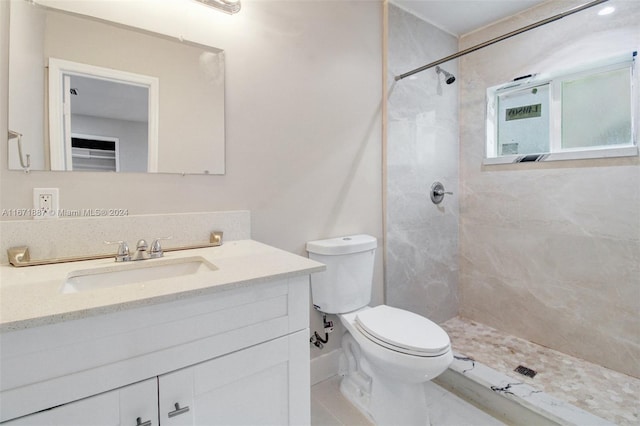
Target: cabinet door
{"type": "Point", "coordinates": [117, 407]}
{"type": "Point", "coordinates": [267, 384]}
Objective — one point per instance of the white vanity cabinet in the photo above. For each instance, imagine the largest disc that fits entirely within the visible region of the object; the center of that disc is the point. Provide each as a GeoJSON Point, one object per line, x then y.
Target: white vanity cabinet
{"type": "Point", "coordinates": [250, 387]}
{"type": "Point", "coordinates": [233, 356]}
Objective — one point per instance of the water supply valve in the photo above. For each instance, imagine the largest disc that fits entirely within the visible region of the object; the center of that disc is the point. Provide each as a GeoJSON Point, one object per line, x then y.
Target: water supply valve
{"type": "Point", "coordinates": [328, 325]}
{"type": "Point", "coordinates": [316, 339]}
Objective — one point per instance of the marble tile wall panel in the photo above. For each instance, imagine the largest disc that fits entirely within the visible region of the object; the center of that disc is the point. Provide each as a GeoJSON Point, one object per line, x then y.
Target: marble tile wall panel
{"type": "Point", "coordinates": [68, 237]}
{"type": "Point", "coordinates": [551, 252]}
{"type": "Point", "coordinates": [422, 147]}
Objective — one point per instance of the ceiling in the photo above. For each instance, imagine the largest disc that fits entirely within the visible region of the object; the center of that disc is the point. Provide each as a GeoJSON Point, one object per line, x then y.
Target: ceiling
{"type": "Point", "coordinates": [117, 100]}
{"type": "Point", "coordinates": [460, 17]}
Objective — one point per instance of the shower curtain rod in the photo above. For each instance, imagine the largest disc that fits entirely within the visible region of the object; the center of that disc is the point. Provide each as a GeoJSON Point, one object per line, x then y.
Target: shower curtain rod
{"type": "Point", "coordinates": [500, 38]}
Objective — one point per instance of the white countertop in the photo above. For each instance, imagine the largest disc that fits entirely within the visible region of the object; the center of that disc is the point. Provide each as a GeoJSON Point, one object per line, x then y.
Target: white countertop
{"type": "Point", "coordinates": [31, 296]}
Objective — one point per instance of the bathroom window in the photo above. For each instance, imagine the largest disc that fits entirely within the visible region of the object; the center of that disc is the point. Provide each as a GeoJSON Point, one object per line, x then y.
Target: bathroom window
{"type": "Point", "coordinates": [523, 121]}
{"type": "Point", "coordinates": [596, 109]}
{"type": "Point", "coordinates": [585, 113]}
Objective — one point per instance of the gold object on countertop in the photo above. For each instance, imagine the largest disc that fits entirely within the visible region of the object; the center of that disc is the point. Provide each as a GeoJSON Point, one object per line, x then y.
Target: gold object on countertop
{"type": "Point", "coordinates": [19, 256]}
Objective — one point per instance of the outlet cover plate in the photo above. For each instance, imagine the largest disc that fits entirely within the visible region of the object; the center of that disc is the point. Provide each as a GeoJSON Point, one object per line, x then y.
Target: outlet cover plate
{"type": "Point", "coordinates": [46, 202]}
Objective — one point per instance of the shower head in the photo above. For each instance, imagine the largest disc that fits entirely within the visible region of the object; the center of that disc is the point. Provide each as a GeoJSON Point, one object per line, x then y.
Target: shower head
{"type": "Point", "coordinates": [450, 78]}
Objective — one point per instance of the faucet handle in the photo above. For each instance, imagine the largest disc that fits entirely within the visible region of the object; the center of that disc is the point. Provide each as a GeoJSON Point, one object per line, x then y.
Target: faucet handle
{"type": "Point", "coordinates": [156, 248]}
{"type": "Point", "coordinates": [123, 254]}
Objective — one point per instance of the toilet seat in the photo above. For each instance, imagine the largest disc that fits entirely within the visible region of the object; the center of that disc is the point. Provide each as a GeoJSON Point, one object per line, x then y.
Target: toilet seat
{"type": "Point", "coordinates": [402, 331]}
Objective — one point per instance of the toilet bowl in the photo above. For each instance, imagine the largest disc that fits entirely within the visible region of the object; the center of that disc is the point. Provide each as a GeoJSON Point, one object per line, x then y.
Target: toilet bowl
{"type": "Point", "coordinates": [403, 345]}
{"type": "Point", "coordinates": [388, 353]}
{"type": "Point", "coordinates": [386, 380]}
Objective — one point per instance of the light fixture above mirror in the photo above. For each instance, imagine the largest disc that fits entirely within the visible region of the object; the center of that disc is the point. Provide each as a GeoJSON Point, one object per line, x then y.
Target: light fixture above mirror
{"type": "Point", "coordinates": [228, 6]}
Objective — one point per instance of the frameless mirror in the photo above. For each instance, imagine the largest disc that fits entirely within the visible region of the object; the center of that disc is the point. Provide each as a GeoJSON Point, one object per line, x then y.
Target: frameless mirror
{"type": "Point", "coordinates": [86, 94]}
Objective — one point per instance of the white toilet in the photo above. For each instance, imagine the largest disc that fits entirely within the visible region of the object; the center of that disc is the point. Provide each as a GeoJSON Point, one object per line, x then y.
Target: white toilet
{"type": "Point", "coordinates": [388, 353]}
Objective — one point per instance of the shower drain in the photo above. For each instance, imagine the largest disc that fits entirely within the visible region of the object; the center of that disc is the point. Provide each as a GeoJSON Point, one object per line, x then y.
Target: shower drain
{"type": "Point", "coordinates": [525, 371]}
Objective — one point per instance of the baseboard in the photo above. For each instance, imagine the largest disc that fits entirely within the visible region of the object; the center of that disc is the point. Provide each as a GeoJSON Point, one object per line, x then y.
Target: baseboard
{"type": "Point", "coordinates": [325, 366]}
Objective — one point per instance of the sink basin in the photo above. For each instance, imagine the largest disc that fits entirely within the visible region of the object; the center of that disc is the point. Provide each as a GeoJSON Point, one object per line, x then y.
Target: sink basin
{"type": "Point", "coordinates": [134, 272]}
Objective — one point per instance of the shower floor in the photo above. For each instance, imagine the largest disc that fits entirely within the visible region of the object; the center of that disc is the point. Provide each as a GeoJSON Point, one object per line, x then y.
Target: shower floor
{"type": "Point", "coordinates": [605, 393]}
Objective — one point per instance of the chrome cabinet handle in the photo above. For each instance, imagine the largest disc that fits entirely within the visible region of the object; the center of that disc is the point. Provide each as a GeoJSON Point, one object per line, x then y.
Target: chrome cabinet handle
{"type": "Point", "coordinates": [178, 410]}
{"type": "Point", "coordinates": [140, 423]}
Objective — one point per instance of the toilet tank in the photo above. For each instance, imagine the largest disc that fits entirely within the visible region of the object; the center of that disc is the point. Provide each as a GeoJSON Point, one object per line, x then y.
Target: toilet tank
{"type": "Point", "coordinates": [346, 283]}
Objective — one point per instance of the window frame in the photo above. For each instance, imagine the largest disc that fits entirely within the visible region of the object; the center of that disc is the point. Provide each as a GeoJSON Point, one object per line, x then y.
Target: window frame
{"type": "Point", "coordinates": [555, 81]}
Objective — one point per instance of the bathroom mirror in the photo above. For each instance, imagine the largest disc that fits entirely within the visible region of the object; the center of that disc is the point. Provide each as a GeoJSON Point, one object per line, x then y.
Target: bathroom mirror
{"type": "Point", "coordinates": [107, 97]}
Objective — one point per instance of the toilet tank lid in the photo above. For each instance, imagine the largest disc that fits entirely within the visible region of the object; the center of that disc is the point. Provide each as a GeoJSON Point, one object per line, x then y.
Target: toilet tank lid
{"type": "Point", "coordinates": [343, 245]}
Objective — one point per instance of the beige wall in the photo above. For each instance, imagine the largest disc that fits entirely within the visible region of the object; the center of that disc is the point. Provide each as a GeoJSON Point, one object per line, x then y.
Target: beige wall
{"type": "Point", "coordinates": [303, 125]}
{"type": "Point", "coordinates": [550, 252]}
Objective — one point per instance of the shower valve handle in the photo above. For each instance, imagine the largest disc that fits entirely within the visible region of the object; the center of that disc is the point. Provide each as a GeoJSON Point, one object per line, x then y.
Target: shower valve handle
{"type": "Point", "coordinates": [442, 192]}
{"type": "Point", "coordinates": [438, 192]}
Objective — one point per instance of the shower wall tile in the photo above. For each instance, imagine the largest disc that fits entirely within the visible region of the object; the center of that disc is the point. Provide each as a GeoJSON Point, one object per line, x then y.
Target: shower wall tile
{"type": "Point", "coordinates": [550, 252]}
{"type": "Point", "coordinates": [422, 147]}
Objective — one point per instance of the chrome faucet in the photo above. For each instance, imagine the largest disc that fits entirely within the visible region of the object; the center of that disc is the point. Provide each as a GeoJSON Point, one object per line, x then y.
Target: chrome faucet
{"type": "Point", "coordinates": [141, 251]}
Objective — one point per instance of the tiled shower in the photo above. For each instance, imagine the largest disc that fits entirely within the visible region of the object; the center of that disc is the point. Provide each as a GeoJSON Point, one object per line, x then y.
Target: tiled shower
{"type": "Point", "coordinates": [547, 252]}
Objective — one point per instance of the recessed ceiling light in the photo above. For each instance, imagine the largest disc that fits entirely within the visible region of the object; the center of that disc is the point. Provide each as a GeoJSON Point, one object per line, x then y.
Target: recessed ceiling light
{"type": "Point", "coordinates": [606, 10]}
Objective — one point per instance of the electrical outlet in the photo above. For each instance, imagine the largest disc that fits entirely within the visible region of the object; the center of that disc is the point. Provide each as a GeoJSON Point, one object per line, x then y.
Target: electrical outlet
{"type": "Point", "coordinates": [46, 202]}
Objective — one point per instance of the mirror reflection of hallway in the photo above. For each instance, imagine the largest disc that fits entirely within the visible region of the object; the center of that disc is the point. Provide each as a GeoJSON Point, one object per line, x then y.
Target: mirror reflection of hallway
{"type": "Point", "coordinates": [89, 100]}
{"type": "Point", "coordinates": [109, 125]}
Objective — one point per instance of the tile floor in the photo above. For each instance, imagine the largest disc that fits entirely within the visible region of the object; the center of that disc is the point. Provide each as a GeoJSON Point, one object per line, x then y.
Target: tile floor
{"type": "Point", "coordinates": [330, 408]}
{"type": "Point", "coordinates": [598, 390]}
{"type": "Point", "coordinates": [605, 393]}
